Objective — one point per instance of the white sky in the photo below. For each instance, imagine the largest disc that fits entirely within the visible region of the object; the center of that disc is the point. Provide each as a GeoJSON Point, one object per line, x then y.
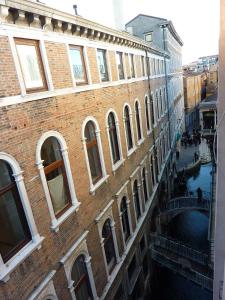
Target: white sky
{"type": "Point", "coordinates": [196, 21]}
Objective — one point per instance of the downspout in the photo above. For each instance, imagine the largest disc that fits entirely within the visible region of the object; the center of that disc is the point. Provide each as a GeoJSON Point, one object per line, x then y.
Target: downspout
{"type": "Point", "coordinates": [152, 114]}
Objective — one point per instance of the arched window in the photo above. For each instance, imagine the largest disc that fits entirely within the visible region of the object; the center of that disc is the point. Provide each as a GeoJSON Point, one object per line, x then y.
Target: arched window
{"type": "Point", "coordinates": [113, 138]}
{"type": "Point", "coordinates": [138, 121]}
{"type": "Point", "coordinates": [55, 175]}
{"type": "Point", "coordinates": [144, 182]}
{"type": "Point", "coordinates": [136, 199]}
{"type": "Point", "coordinates": [127, 121]}
{"type": "Point", "coordinates": [161, 101]}
{"type": "Point", "coordinates": [109, 245]}
{"type": "Point", "coordinates": [165, 99]}
{"type": "Point", "coordinates": [147, 113]}
{"type": "Point", "coordinates": [14, 229]}
{"type": "Point", "coordinates": [152, 170]}
{"type": "Point", "coordinates": [125, 218]}
{"type": "Point", "coordinates": [80, 278]}
{"type": "Point", "coordinates": [152, 109]}
{"type": "Point", "coordinates": [93, 151]}
{"type": "Point", "coordinates": [157, 105]}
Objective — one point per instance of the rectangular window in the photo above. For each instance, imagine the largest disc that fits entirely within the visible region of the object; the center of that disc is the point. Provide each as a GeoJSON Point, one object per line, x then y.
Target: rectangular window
{"type": "Point", "coordinates": [148, 37]}
{"type": "Point", "coordinates": [31, 65]}
{"type": "Point", "coordinates": [78, 64]}
{"type": "Point", "coordinates": [143, 65]}
{"type": "Point", "coordinates": [131, 60]}
{"type": "Point", "coordinates": [127, 62]}
{"type": "Point", "coordinates": [119, 62]}
{"type": "Point", "coordinates": [102, 64]}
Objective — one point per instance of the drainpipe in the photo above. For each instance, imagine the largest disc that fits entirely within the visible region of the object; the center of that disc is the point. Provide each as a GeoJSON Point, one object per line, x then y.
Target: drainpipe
{"type": "Point", "coordinates": [152, 114]}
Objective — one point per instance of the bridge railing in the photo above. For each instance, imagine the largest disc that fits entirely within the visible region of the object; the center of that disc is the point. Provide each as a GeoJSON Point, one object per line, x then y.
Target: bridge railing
{"type": "Point", "coordinates": [185, 202]}
{"type": "Point", "coordinates": [180, 249]}
{"type": "Point", "coordinates": [190, 274]}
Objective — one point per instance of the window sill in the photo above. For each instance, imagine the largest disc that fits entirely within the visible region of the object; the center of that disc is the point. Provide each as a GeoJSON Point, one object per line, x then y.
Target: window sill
{"type": "Point", "coordinates": [131, 151]}
{"type": "Point", "coordinates": [117, 165]}
{"type": "Point", "coordinates": [140, 141]}
{"type": "Point", "coordinates": [98, 184]}
{"type": "Point", "coordinates": [57, 222]}
{"type": "Point", "coordinates": [19, 257]}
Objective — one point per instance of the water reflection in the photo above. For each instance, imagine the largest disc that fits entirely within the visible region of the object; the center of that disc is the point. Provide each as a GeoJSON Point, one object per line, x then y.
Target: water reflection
{"type": "Point", "coordinates": [192, 228]}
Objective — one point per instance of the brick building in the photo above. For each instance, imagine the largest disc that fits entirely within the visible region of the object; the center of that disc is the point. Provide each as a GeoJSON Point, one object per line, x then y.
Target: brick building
{"type": "Point", "coordinates": [85, 153]}
{"type": "Point", "coordinates": [192, 97]}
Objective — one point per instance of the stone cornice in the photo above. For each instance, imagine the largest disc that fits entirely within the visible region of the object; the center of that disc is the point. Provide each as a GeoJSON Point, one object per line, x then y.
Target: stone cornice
{"type": "Point", "coordinates": [37, 15]}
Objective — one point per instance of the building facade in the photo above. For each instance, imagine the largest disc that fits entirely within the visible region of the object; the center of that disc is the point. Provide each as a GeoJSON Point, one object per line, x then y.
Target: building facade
{"type": "Point", "coordinates": [219, 254]}
{"type": "Point", "coordinates": [85, 150]}
{"type": "Point", "coordinates": [161, 33]}
{"type": "Point", "coordinates": [192, 96]}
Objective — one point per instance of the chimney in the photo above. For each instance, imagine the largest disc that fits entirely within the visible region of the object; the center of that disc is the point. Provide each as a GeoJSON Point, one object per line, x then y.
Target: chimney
{"type": "Point", "coordinates": [118, 14]}
{"type": "Point", "coordinates": [75, 9]}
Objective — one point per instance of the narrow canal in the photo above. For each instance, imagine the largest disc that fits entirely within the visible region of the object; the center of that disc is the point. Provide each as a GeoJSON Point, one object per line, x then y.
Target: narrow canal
{"type": "Point", "coordinates": [191, 228]}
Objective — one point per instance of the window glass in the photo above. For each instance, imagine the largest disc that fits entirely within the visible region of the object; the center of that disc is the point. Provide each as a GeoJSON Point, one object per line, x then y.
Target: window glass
{"type": "Point", "coordinates": [113, 138]}
{"type": "Point", "coordinates": [138, 121]}
{"type": "Point", "coordinates": [93, 152]}
{"type": "Point", "coordinates": [136, 200]}
{"type": "Point", "coordinates": [78, 65]}
{"type": "Point", "coordinates": [128, 128]}
{"type": "Point", "coordinates": [132, 70]}
{"type": "Point", "coordinates": [125, 219]}
{"type": "Point", "coordinates": [31, 65]}
{"type": "Point", "coordinates": [55, 175]}
{"type": "Point", "coordinates": [143, 65]}
{"type": "Point", "coordinates": [132, 267]}
{"type": "Point", "coordinates": [144, 181]}
{"type": "Point", "coordinates": [148, 37]}
{"type": "Point", "coordinates": [102, 63]}
{"type": "Point", "coordinates": [120, 293]}
{"type": "Point", "coordinates": [14, 229]}
{"type": "Point", "coordinates": [119, 62]}
{"type": "Point", "coordinates": [80, 277]}
{"type": "Point", "coordinates": [147, 113]}
{"type": "Point", "coordinates": [109, 245]}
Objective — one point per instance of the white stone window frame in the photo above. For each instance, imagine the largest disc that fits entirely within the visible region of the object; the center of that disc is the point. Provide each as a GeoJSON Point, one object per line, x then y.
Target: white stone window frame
{"type": "Point", "coordinates": [123, 192]}
{"type": "Point", "coordinates": [107, 214]}
{"type": "Point", "coordinates": [36, 240]}
{"type": "Point", "coordinates": [149, 114]}
{"type": "Point", "coordinates": [141, 140]}
{"type": "Point", "coordinates": [133, 177]}
{"type": "Point", "coordinates": [86, 64]}
{"type": "Point", "coordinates": [105, 176]}
{"type": "Point", "coordinates": [45, 289]}
{"type": "Point", "coordinates": [121, 161]}
{"type": "Point", "coordinates": [44, 60]}
{"type": "Point", "coordinates": [55, 223]}
{"type": "Point", "coordinates": [143, 165]}
{"type": "Point", "coordinates": [68, 260]}
{"type": "Point", "coordinates": [132, 150]}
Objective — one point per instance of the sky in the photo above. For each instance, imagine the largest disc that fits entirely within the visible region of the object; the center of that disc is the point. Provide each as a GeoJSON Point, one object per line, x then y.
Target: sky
{"type": "Point", "coordinates": [196, 21]}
